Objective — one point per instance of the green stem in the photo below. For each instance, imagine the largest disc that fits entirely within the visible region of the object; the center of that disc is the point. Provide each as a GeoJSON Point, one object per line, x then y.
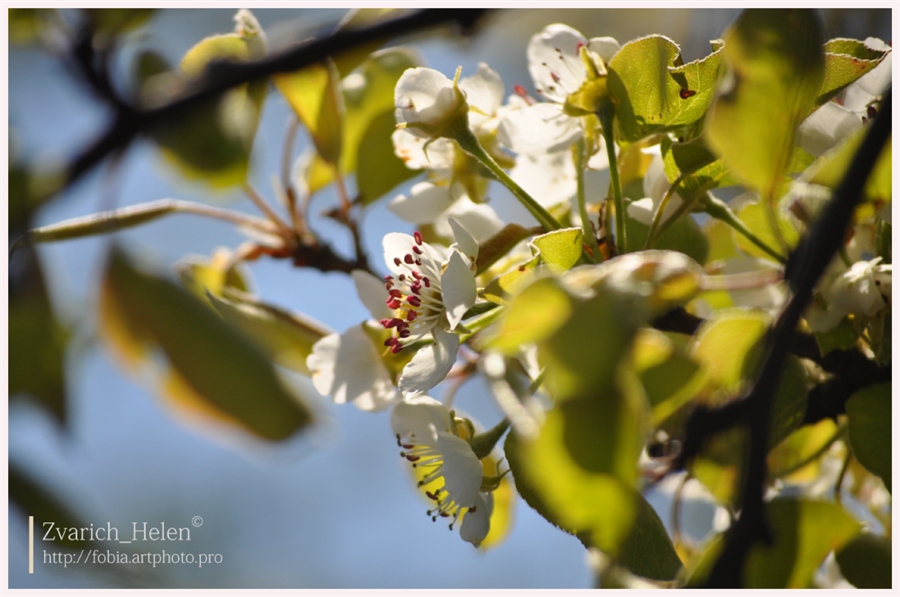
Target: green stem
{"type": "Point", "coordinates": [719, 210]}
{"type": "Point", "coordinates": [470, 144]}
{"type": "Point", "coordinates": [479, 322]}
{"type": "Point", "coordinates": [606, 123]}
{"type": "Point", "coordinates": [660, 210]}
{"type": "Point", "coordinates": [589, 232]}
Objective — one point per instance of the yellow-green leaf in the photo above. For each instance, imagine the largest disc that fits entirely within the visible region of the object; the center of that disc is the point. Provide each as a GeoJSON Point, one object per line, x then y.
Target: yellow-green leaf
{"type": "Point", "coordinates": [560, 249]}
{"type": "Point", "coordinates": [866, 561]}
{"type": "Point", "coordinates": [846, 60]}
{"type": "Point", "coordinates": [776, 69]}
{"type": "Point", "coordinates": [869, 411]}
{"type": "Point", "coordinates": [213, 370]}
{"type": "Point", "coordinates": [314, 93]}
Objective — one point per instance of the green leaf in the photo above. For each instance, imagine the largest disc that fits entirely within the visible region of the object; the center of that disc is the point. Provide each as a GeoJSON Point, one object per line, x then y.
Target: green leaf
{"type": "Point", "coordinates": [315, 96]}
{"type": "Point", "coordinates": [754, 216]}
{"type": "Point", "coordinates": [378, 169]}
{"type": "Point", "coordinates": [357, 18]}
{"type": "Point", "coordinates": [534, 314]}
{"type": "Point", "coordinates": [212, 142]}
{"type": "Point", "coordinates": [210, 276]}
{"type": "Point", "coordinates": [286, 337]}
{"type": "Point", "coordinates": [866, 561]}
{"type": "Point", "coordinates": [869, 411]}
{"type": "Point", "coordinates": [27, 24]}
{"type": "Point", "coordinates": [115, 21]}
{"type": "Point", "coordinates": [652, 88]}
{"type": "Point", "coordinates": [683, 236]}
{"type": "Point", "coordinates": [805, 531]}
{"type": "Point", "coordinates": [367, 94]}
{"type": "Point", "coordinates": [560, 249]}
{"type": "Point", "coordinates": [669, 375]}
{"type": "Point", "coordinates": [776, 65]}
{"type": "Point", "coordinates": [846, 60]}
{"type": "Point", "coordinates": [214, 372]}
{"type": "Point", "coordinates": [841, 337]}
{"type": "Point", "coordinates": [37, 340]}
{"type": "Point", "coordinates": [703, 170]}
{"type": "Point", "coordinates": [503, 288]}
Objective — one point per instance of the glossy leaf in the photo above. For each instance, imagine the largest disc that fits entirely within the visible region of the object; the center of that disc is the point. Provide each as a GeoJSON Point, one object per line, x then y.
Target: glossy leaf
{"type": "Point", "coordinates": [869, 411]}
{"type": "Point", "coordinates": [683, 236]}
{"type": "Point", "coordinates": [846, 60]}
{"type": "Point", "coordinates": [535, 313]}
{"type": "Point", "coordinates": [776, 65]}
{"type": "Point", "coordinates": [654, 91]}
{"type": "Point", "coordinates": [668, 374]}
{"type": "Point", "coordinates": [560, 249]}
{"type": "Point", "coordinates": [213, 370]}
{"type": "Point", "coordinates": [866, 561]}
{"type": "Point", "coordinates": [754, 216]}
{"type": "Point", "coordinates": [286, 337]}
{"type": "Point", "coordinates": [378, 169]}
{"type": "Point", "coordinates": [314, 94]}
{"type": "Point", "coordinates": [805, 531]}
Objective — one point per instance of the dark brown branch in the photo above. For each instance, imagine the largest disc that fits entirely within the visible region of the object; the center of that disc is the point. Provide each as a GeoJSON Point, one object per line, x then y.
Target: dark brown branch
{"type": "Point", "coordinates": [130, 121]}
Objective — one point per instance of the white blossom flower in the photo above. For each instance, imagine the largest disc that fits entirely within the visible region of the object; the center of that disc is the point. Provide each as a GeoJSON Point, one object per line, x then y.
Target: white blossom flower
{"type": "Point", "coordinates": [557, 69]}
{"type": "Point", "coordinates": [862, 291]}
{"type": "Point", "coordinates": [429, 294]}
{"type": "Point", "coordinates": [425, 100]}
{"type": "Point", "coordinates": [428, 203]}
{"type": "Point", "coordinates": [448, 470]}
{"type": "Point", "coordinates": [349, 367]}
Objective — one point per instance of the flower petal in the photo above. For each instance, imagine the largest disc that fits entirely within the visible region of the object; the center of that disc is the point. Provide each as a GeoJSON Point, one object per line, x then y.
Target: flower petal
{"type": "Point", "coordinates": [554, 63]}
{"type": "Point", "coordinates": [464, 241]}
{"type": "Point", "coordinates": [537, 129]}
{"type": "Point", "coordinates": [423, 95]}
{"type": "Point", "coordinates": [478, 218]}
{"type": "Point", "coordinates": [477, 523]}
{"type": "Point", "coordinates": [425, 203]}
{"type": "Point", "coordinates": [605, 47]}
{"type": "Point", "coordinates": [458, 289]}
{"type": "Point", "coordinates": [462, 470]}
{"type": "Point", "coordinates": [411, 149]}
{"type": "Point", "coordinates": [421, 417]}
{"type": "Point", "coordinates": [548, 177]}
{"type": "Point", "coordinates": [371, 292]}
{"type": "Point", "coordinates": [431, 364]}
{"type": "Point", "coordinates": [484, 90]}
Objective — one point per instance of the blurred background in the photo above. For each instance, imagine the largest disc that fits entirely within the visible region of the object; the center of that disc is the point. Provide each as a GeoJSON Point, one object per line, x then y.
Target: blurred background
{"type": "Point", "coordinates": [333, 507]}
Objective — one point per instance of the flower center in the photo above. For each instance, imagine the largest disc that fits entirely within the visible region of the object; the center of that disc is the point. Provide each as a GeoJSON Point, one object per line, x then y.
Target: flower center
{"type": "Point", "coordinates": [415, 296]}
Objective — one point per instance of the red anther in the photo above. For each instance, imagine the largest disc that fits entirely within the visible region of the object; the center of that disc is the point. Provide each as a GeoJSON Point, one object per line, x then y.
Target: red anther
{"type": "Point", "coordinates": [579, 46]}
{"type": "Point", "coordinates": [431, 495]}
{"type": "Point", "coordinates": [396, 348]}
{"type": "Point", "coordinates": [407, 446]}
{"type": "Point", "coordinates": [554, 76]}
{"type": "Point", "coordinates": [404, 333]}
{"type": "Point", "coordinates": [397, 261]}
{"type": "Point", "coordinates": [411, 316]}
{"type": "Point", "coordinates": [402, 277]}
{"type": "Point", "coordinates": [417, 275]}
{"type": "Point", "coordinates": [402, 326]}
{"type": "Point", "coordinates": [412, 458]}
{"type": "Point", "coordinates": [444, 515]}
{"type": "Point", "coordinates": [388, 286]}
{"type": "Point", "coordinates": [414, 301]}
{"type": "Point", "coordinates": [418, 236]}
{"type": "Point", "coordinates": [472, 509]}
{"type": "Point", "coordinates": [408, 259]}
{"type": "Point", "coordinates": [427, 282]}
{"type": "Point", "coordinates": [395, 293]}
{"type": "Point", "coordinates": [520, 91]}
{"type": "Point", "coordinates": [384, 322]}
{"type": "Point", "coordinates": [389, 278]}
{"type": "Point", "coordinates": [417, 250]}
{"type": "Point", "coordinates": [391, 341]}
{"type": "Point", "coordinates": [393, 322]}
{"type": "Point", "coordinates": [416, 288]}
{"type": "Point", "coordinates": [418, 262]}
{"type": "Point", "coordinates": [393, 303]}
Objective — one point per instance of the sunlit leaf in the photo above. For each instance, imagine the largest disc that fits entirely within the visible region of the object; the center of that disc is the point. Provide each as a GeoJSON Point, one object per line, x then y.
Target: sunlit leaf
{"type": "Point", "coordinates": [214, 368]}
{"type": "Point", "coordinates": [654, 91]}
{"type": "Point", "coordinates": [866, 561]}
{"type": "Point", "coordinates": [776, 69]}
{"type": "Point", "coordinates": [560, 249]}
{"type": "Point", "coordinates": [805, 531]}
{"type": "Point", "coordinates": [535, 313]}
{"type": "Point", "coordinates": [683, 236]}
{"type": "Point", "coordinates": [503, 288]}
{"type": "Point", "coordinates": [754, 216]}
{"type": "Point", "coordinates": [846, 60]}
{"type": "Point", "coordinates": [794, 458]}
{"type": "Point", "coordinates": [314, 93]}
{"type": "Point", "coordinates": [202, 276]}
{"type": "Point", "coordinates": [869, 411]}
{"type": "Point", "coordinates": [378, 169]}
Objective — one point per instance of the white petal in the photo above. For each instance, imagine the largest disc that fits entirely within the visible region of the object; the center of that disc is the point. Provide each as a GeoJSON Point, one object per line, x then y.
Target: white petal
{"type": "Point", "coordinates": [476, 524]}
{"type": "Point", "coordinates": [554, 63]}
{"type": "Point", "coordinates": [537, 129]}
{"type": "Point", "coordinates": [425, 204]}
{"type": "Point", "coordinates": [825, 127]}
{"type": "Point", "coordinates": [464, 241]}
{"type": "Point", "coordinates": [642, 210]}
{"type": "Point", "coordinates": [458, 289]}
{"type": "Point", "coordinates": [423, 95]}
{"type": "Point", "coordinates": [462, 470]}
{"type": "Point", "coordinates": [478, 218]}
{"type": "Point", "coordinates": [548, 177]}
{"type": "Point", "coordinates": [411, 149]}
{"type": "Point", "coordinates": [372, 293]}
{"type": "Point", "coordinates": [431, 364]}
{"type": "Point", "coordinates": [420, 416]}
{"type": "Point", "coordinates": [396, 245]}
{"type": "Point", "coordinates": [484, 90]}
{"type": "Point", "coordinates": [349, 369]}
{"type": "Point", "coordinates": [605, 47]}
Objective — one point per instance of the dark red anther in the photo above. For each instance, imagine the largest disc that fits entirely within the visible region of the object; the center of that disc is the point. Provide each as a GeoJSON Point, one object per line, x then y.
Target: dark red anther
{"type": "Point", "coordinates": [393, 303]}
{"type": "Point", "coordinates": [393, 322]}
{"type": "Point", "coordinates": [418, 262]}
{"type": "Point", "coordinates": [417, 275]}
{"type": "Point", "coordinates": [397, 261]}
{"type": "Point", "coordinates": [395, 293]}
{"type": "Point", "coordinates": [554, 76]}
{"type": "Point", "coordinates": [418, 236]}
{"type": "Point", "coordinates": [396, 348]}
{"type": "Point", "coordinates": [431, 495]}
{"type": "Point", "coordinates": [414, 301]}
{"type": "Point", "coordinates": [407, 446]}
{"type": "Point", "coordinates": [402, 277]}
{"type": "Point", "coordinates": [389, 278]}
{"type": "Point", "coordinates": [411, 315]}
{"type": "Point", "coordinates": [427, 282]}
{"type": "Point", "coordinates": [388, 286]}
{"type": "Point", "coordinates": [408, 259]}
{"type": "Point", "coordinates": [416, 288]}
{"type": "Point", "coordinates": [417, 250]}
{"type": "Point", "coordinates": [412, 458]}
{"type": "Point", "coordinates": [384, 322]}
{"type": "Point", "coordinates": [391, 341]}
{"type": "Point", "coordinates": [405, 333]}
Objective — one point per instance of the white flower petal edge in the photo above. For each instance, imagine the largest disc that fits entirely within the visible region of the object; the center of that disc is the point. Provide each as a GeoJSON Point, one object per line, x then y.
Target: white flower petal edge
{"type": "Point", "coordinates": [538, 129]}
{"type": "Point", "coordinates": [431, 364]}
{"type": "Point", "coordinates": [423, 95]}
{"type": "Point", "coordinates": [477, 520]}
{"type": "Point", "coordinates": [371, 291]}
{"type": "Point", "coordinates": [419, 418]}
{"type": "Point", "coordinates": [348, 368]}
{"type": "Point", "coordinates": [425, 204]}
